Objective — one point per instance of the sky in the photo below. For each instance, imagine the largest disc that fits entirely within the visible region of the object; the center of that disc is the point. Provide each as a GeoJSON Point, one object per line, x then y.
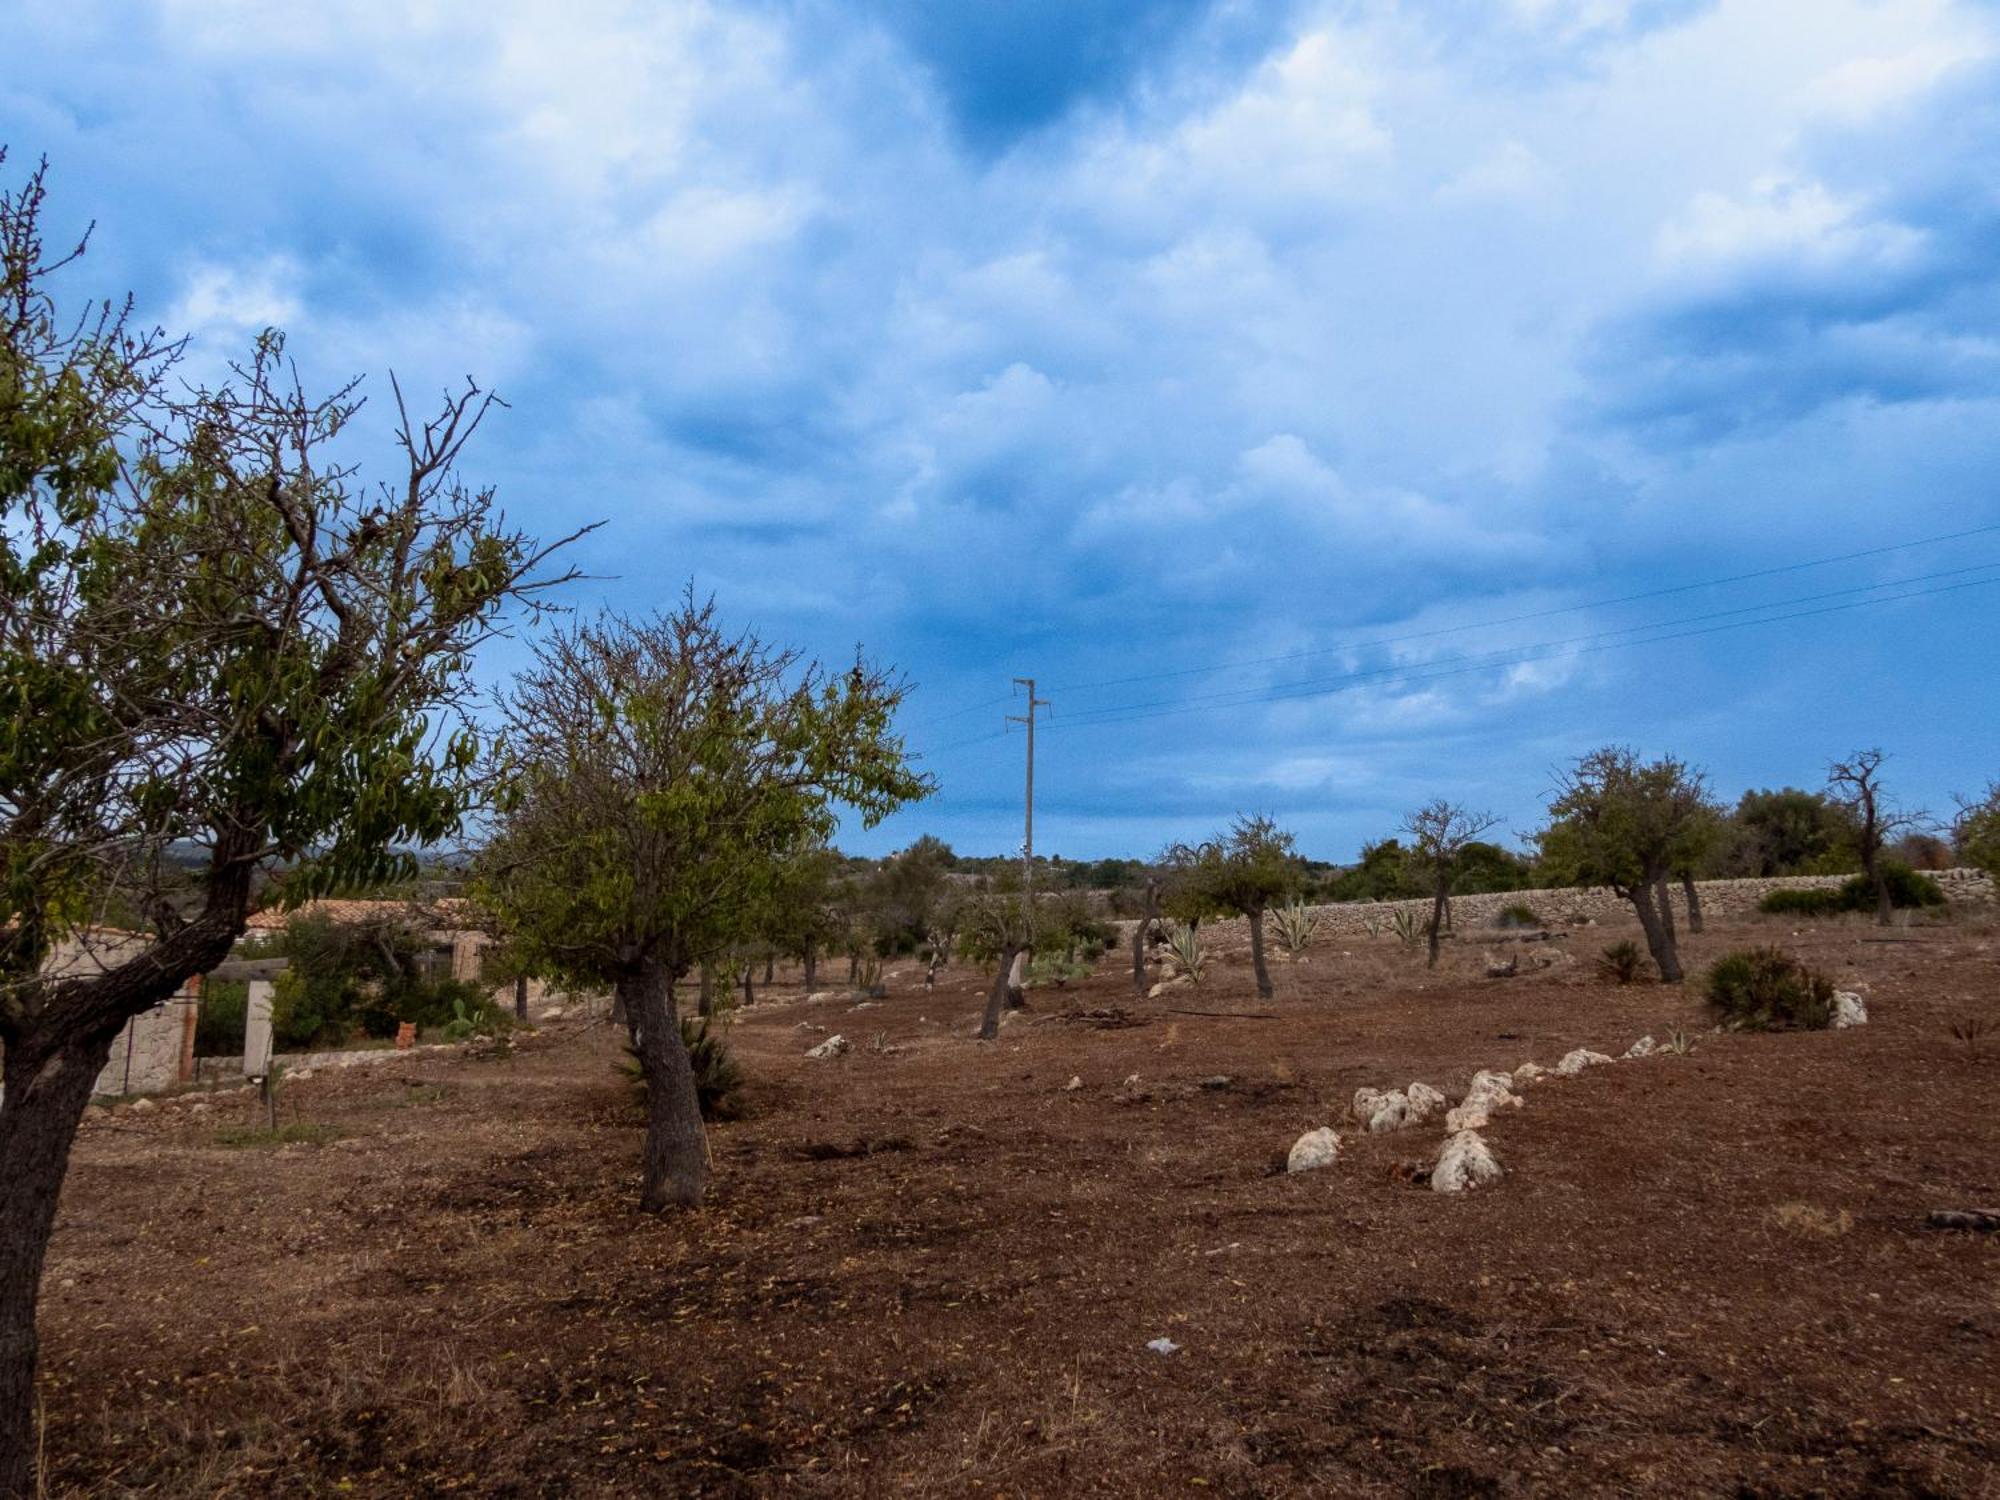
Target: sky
{"type": "Point", "coordinates": [1331, 405]}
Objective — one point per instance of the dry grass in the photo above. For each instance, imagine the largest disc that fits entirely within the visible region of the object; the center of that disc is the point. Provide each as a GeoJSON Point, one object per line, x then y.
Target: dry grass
{"type": "Point", "coordinates": [1811, 1221]}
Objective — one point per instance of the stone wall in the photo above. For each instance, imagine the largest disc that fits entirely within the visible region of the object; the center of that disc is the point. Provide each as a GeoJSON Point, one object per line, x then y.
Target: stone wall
{"type": "Point", "coordinates": [1573, 908]}
{"type": "Point", "coordinates": [154, 1052]}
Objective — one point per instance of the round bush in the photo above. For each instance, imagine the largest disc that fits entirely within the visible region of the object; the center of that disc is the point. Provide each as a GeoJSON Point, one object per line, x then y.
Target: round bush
{"type": "Point", "coordinates": [1766, 989]}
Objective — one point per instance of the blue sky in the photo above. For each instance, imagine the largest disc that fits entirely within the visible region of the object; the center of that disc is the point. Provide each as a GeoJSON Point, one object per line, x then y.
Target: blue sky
{"type": "Point", "coordinates": [1267, 354]}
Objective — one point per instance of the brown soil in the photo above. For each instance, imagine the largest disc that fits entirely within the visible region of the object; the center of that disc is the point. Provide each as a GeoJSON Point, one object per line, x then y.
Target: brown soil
{"type": "Point", "coordinates": [928, 1268]}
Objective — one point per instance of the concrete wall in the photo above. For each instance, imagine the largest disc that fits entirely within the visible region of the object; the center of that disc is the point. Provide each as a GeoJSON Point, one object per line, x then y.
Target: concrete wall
{"type": "Point", "coordinates": [154, 1052]}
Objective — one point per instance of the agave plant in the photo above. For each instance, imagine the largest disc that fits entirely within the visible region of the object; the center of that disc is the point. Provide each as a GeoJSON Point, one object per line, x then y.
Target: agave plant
{"type": "Point", "coordinates": [1679, 1042]}
{"type": "Point", "coordinates": [1184, 943]}
{"type": "Point", "coordinates": [1411, 929]}
{"type": "Point", "coordinates": [1295, 926]}
{"type": "Point", "coordinates": [1371, 923]}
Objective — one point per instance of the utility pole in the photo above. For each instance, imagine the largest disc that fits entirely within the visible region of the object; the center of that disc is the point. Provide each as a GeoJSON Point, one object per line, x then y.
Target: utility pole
{"type": "Point", "coordinates": [1028, 843]}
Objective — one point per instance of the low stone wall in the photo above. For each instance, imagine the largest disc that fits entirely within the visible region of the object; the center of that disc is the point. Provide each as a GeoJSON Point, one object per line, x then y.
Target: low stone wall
{"type": "Point", "coordinates": [1575, 907]}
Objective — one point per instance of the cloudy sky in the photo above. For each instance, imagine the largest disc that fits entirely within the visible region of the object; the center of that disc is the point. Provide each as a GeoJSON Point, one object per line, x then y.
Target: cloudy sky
{"type": "Point", "coordinates": [1333, 405]}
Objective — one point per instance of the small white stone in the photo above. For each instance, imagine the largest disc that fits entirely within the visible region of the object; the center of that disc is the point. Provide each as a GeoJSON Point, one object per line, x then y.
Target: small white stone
{"type": "Point", "coordinates": [832, 1047]}
{"type": "Point", "coordinates": [1073, 1085]}
{"type": "Point", "coordinates": [1527, 1073]}
{"type": "Point", "coordinates": [1316, 1148]}
{"type": "Point", "coordinates": [142, 1106]}
{"type": "Point", "coordinates": [1849, 1009]}
{"type": "Point", "coordinates": [1575, 1062]}
{"type": "Point", "coordinates": [1644, 1047]}
{"type": "Point", "coordinates": [1163, 1346]}
{"type": "Point", "coordinates": [1463, 1164]}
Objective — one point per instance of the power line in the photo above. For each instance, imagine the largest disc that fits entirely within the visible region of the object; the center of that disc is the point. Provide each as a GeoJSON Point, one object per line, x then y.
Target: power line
{"type": "Point", "coordinates": [1539, 614]}
{"type": "Point", "coordinates": [1253, 695]}
{"type": "Point", "coordinates": [1389, 677]}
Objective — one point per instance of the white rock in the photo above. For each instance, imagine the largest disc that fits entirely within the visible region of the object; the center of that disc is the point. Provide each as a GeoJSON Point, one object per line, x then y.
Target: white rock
{"type": "Point", "coordinates": [143, 1106]}
{"type": "Point", "coordinates": [818, 997]}
{"type": "Point", "coordinates": [1073, 1085]}
{"type": "Point", "coordinates": [833, 1046]}
{"type": "Point", "coordinates": [1849, 1009]}
{"type": "Point", "coordinates": [1316, 1148]}
{"type": "Point", "coordinates": [1644, 1047]}
{"type": "Point", "coordinates": [1424, 1101]}
{"type": "Point", "coordinates": [298, 1075]}
{"type": "Point", "coordinates": [1163, 1346]}
{"type": "Point", "coordinates": [1392, 1112]}
{"type": "Point", "coordinates": [1464, 1164]}
{"type": "Point", "coordinates": [1575, 1062]}
{"type": "Point", "coordinates": [1469, 1116]}
{"type": "Point", "coordinates": [1528, 1072]}
{"type": "Point", "coordinates": [1490, 1091]}
{"type": "Point", "coordinates": [1366, 1101]}
{"type": "Point", "coordinates": [1130, 1081]}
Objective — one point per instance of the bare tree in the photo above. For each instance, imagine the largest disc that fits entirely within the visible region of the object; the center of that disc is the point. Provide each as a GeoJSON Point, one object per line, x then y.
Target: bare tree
{"type": "Point", "coordinates": [1439, 832]}
{"type": "Point", "coordinates": [1149, 913]}
{"type": "Point", "coordinates": [1856, 784]}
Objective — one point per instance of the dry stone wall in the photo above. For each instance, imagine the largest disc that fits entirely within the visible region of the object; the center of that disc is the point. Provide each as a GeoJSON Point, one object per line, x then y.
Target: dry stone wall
{"type": "Point", "coordinates": [1574, 908]}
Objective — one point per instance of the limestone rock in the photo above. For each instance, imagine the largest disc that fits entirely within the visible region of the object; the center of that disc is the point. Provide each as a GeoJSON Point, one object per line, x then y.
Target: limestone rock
{"type": "Point", "coordinates": [832, 1047]}
{"type": "Point", "coordinates": [1464, 1163]}
{"type": "Point", "coordinates": [1575, 1062]}
{"type": "Point", "coordinates": [1469, 1116]}
{"type": "Point", "coordinates": [1491, 1089]}
{"type": "Point", "coordinates": [1849, 1009]}
{"type": "Point", "coordinates": [1423, 1101]}
{"type": "Point", "coordinates": [142, 1106]}
{"type": "Point", "coordinates": [1073, 1085]}
{"type": "Point", "coordinates": [1644, 1047]}
{"type": "Point", "coordinates": [1316, 1148]}
{"type": "Point", "coordinates": [1528, 1072]}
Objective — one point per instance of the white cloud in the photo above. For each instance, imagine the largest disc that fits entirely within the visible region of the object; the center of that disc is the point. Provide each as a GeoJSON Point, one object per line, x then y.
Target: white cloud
{"type": "Point", "coordinates": [1783, 219]}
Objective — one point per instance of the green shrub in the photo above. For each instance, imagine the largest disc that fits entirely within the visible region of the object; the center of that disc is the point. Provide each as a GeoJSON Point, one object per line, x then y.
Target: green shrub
{"type": "Point", "coordinates": [1796, 902]}
{"type": "Point", "coordinates": [225, 1010]}
{"type": "Point", "coordinates": [1622, 962]}
{"type": "Point", "coordinates": [1766, 989]}
{"type": "Point", "coordinates": [1907, 890]}
{"type": "Point", "coordinates": [1519, 914]}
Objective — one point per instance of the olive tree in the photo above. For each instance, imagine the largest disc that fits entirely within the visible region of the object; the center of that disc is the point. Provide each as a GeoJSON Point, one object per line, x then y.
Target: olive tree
{"type": "Point", "coordinates": [222, 656]}
{"type": "Point", "coordinates": [1975, 832]}
{"type": "Point", "coordinates": [1440, 832]}
{"type": "Point", "coordinates": [663, 777]}
{"type": "Point", "coordinates": [1624, 823]}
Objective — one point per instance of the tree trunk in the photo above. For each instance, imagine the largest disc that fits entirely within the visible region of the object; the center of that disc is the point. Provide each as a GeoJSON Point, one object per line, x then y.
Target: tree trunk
{"type": "Point", "coordinates": [1257, 964]}
{"type": "Point", "coordinates": [770, 969]}
{"type": "Point", "coordinates": [1139, 936]}
{"type": "Point", "coordinates": [520, 997]}
{"type": "Point", "coordinates": [1663, 894]}
{"type": "Point", "coordinates": [1693, 902]}
{"type": "Point", "coordinates": [749, 994]}
{"type": "Point", "coordinates": [1659, 938]}
{"type": "Point", "coordinates": [1439, 905]}
{"type": "Point", "coordinates": [45, 1098]}
{"type": "Point", "coordinates": [1879, 879]}
{"type": "Point", "coordinates": [996, 999]}
{"type": "Point", "coordinates": [853, 966]}
{"type": "Point", "coordinates": [811, 964]}
{"type": "Point", "coordinates": [1017, 980]}
{"type": "Point", "coordinates": [704, 1004]}
{"type": "Point", "coordinates": [676, 1151]}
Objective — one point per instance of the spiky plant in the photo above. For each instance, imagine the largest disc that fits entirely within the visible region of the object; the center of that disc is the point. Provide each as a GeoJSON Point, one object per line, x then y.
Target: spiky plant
{"type": "Point", "coordinates": [1410, 927]}
{"type": "Point", "coordinates": [1184, 943]}
{"type": "Point", "coordinates": [1295, 926]}
{"type": "Point", "coordinates": [1622, 962]}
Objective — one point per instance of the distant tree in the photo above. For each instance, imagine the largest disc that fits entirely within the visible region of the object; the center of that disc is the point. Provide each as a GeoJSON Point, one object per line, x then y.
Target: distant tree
{"type": "Point", "coordinates": [1695, 854]}
{"type": "Point", "coordinates": [222, 656]}
{"type": "Point", "coordinates": [1975, 832]}
{"type": "Point", "coordinates": [1622, 823]}
{"type": "Point", "coordinates": [664, 776]}
{"type": "Point", "coordinates": [1788, 832]}
{"type": "Point", "coordinates": [1440, 832]}
{"type": "Point", "coordinates": [1485, 867]}
{"type": "Point", "coordinates": [1383, 873]}
{"type": "Point", "coordinates": [997, 925]}
{"type": "Point", "coordinates": [1856, 783]}
{"type": "Point", "coordinates": [1244, 873]}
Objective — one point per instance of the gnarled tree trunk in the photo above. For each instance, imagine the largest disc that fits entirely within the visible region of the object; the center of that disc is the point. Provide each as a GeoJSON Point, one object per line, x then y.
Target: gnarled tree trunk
{"type": "Point", "coordinates": [520, 997]}
{"type": "Point", "coordinates": [1257, 964]}
{"type": "Point", "coordinates": [1440, 908]}
{"type": "Point", "coordinates": [1693, 903]}
{"type": "Point", "coordinates": [997, 998]}
{"type": "Point", "coordinates": [46, 1092]}
{"type": "Point", "coordinates": [676, 1151]}
{"type": "Point", "coordinates": [811, 957]}
{"type": "Point", "coordinates": [1659, 936]}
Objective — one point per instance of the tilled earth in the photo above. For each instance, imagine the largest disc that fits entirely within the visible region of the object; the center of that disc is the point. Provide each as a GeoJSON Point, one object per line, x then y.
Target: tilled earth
{"type": "Point", "coordinates": [930, 1267]}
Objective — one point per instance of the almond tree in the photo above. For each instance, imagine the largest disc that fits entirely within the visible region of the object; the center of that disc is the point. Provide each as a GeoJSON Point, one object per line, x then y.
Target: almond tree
{"type": "Point", "coordinates": [1245, 872]}
{"type": "Point", "coordinates": [214, 643]}
{"type": "Point", "coordinates": [1439, 833]}
{"type": "Point", "coordinates": [1624, 823]}
{"type": "Point", "coordinates": [664, 778]}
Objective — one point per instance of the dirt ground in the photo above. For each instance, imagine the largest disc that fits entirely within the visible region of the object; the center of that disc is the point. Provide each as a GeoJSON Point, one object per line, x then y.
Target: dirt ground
{"type": "Point", "coordinates": [929, 1268]}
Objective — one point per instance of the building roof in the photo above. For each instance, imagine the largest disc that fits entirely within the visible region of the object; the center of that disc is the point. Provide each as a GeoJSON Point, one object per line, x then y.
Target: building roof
{"type": "Point", "coordinates": [450, 912]}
